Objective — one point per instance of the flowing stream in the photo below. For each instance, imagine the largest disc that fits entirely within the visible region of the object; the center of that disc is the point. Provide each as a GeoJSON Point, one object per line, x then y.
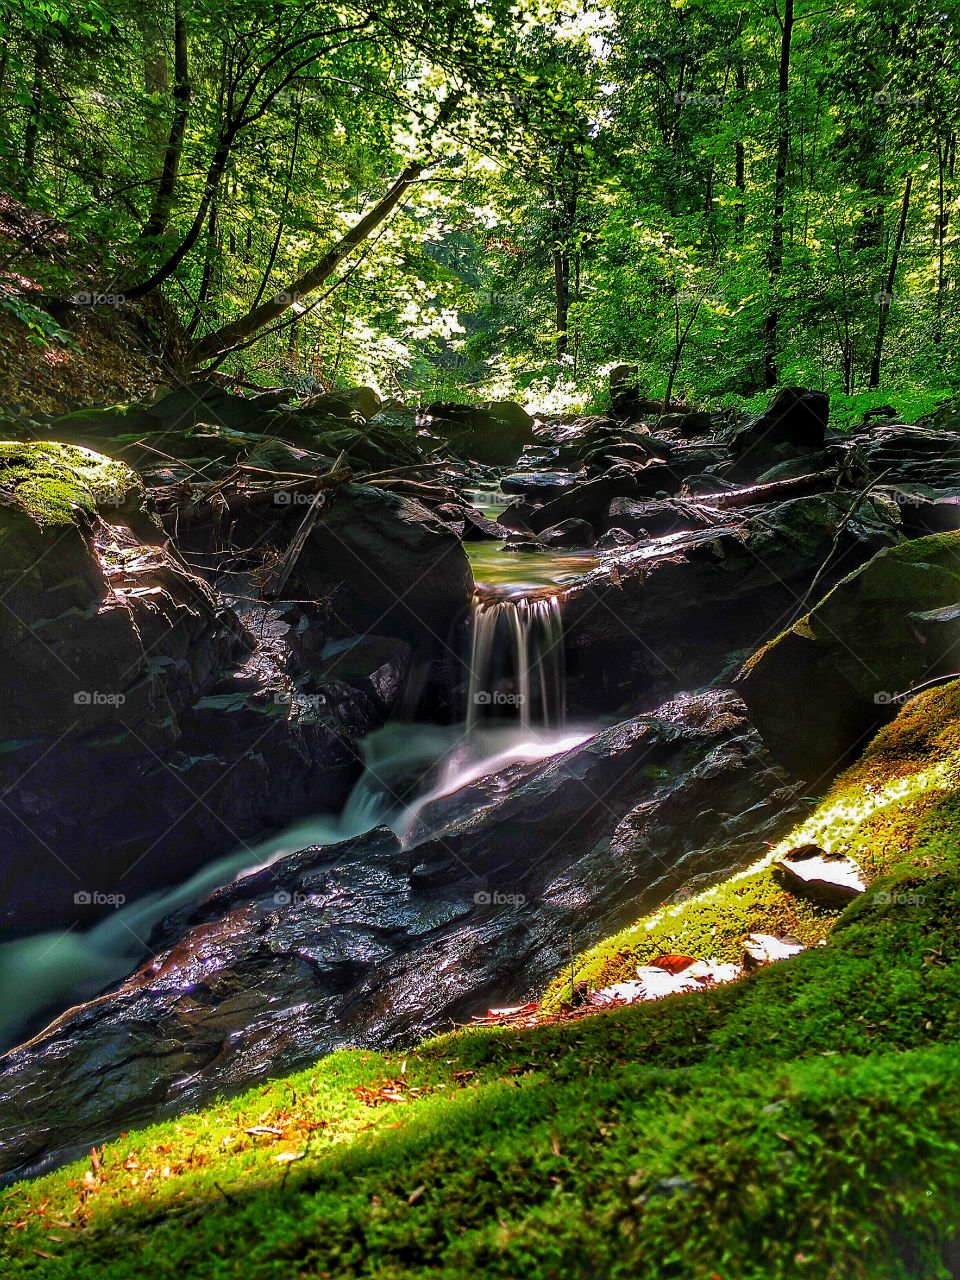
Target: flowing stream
{"type": "Point", "coordinates": [515, 714]}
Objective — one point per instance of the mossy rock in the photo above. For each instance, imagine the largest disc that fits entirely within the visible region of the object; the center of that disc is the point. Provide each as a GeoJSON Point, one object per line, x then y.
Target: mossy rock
{"type": "Point", "coordinates": [59, 484]}
{"type": "Point", "coordinates": [819, 688]}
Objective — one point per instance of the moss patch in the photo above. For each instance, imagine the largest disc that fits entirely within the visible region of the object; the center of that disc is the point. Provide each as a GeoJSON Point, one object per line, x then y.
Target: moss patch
{"type": "Point", "coordinates": [801, 1122]}
{"type": "Point", "coordinates": [54, 483]}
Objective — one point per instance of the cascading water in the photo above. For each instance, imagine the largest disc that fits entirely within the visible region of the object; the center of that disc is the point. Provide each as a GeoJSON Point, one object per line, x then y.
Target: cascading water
{"type": "Point", "coordinates": [516, 707]}
{"type": "Point", "coordinates": [516, 662]}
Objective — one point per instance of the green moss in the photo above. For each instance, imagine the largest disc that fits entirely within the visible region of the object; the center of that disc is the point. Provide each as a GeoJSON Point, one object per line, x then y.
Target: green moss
{"type": "Point", "coordinates": [801, 1122]}
{"type": "Point", "coordinates": [872, 813]}
{"type": "Point", "coordinates": [54, 483]}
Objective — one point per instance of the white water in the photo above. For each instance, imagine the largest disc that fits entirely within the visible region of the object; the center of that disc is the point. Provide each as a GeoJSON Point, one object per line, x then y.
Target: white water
{"type": "Point", "coordinates": [516, 658]}
{"type": "Point", "coordinates": [516, 662]}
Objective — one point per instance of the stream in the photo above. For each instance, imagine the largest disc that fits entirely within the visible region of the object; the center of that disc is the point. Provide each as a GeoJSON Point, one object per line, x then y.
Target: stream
{"type": "Point", "coordinates": [515, 715]}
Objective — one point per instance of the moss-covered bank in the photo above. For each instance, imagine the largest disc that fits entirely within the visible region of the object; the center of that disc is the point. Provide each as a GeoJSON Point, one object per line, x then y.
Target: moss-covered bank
{"type": "Point", "coordinates": [803, 1122]}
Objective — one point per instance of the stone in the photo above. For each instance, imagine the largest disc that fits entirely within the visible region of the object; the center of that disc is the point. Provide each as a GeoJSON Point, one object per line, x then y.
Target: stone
{"type": "Point", "coordinates": [821, 687]}
{"type": "Point", "coordinates": [496, 436]}
{"type": "Point", "coordinates": [795, 417]}
{"type": "Point", "coordinates": [569, 533]}
{"type": "Point", "coordinates": [832, 879]}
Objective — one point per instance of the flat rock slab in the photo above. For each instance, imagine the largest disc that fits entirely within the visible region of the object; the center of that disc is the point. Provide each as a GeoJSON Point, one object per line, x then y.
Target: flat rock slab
{"type": "Point", "coordinates": [831, 879]}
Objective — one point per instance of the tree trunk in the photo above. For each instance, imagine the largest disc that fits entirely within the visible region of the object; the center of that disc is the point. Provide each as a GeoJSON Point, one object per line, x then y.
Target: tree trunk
{"type": "Point", "coordinates": [561, 284]}
{"type": "Point", "coordinates": [891, 279]}
{"type": "Point", "coordinates": [771, 337]}
{"type": "Point", "coordinates": [230, 335]}
{"type": "Point", "coordinates": [163, 198]}
{"type": "Point", "coordinates": [41, 62]}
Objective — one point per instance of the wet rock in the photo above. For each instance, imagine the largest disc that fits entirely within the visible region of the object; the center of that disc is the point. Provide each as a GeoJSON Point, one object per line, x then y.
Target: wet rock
{"type": "Point", "coordinates": [569, 533]}
{"type": "Point", "coordinates": [616, 537]}
{"type": "Point", "coordinates": [147, 725]}
{"type": "Point", "coordinates": [831, 879]}
{"type": "Point", "coordinates": [335, 945]}
{"type": "Point", "coordinates": [495, 434]}
{"type": "Point", "coordinates": [822, 686]}
{"type": "Point", "coordinates": [519, 514]}
{"type": "Point", "coordinates": [541, 486]}
{"type": "Point", "coordinates": [387, 563]}
{"type": "Point", "coordinates": [675, 612]}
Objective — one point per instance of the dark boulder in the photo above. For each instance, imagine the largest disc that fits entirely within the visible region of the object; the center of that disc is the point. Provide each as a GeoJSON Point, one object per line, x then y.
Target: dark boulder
{"type": "Point", "coordinates": [387, 563]}
{"type": "Point", "coordinates": [495, 434]}
{"type": "Point", "coordinates": [795, 417]}
{"type": "Point", "coordinates": [822, 687]}
{"type": "Point", "coordinates": [569, 533]}
{"type": "Point", "coordinates": [657, 617]}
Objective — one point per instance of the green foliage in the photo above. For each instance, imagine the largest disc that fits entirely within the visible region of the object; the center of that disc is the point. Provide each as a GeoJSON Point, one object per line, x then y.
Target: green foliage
{"type": "Point", "coordinates": [605, 191]}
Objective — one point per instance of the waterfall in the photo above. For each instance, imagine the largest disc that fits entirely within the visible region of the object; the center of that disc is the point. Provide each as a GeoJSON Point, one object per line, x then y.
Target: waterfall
{"type": "Point", "coordinates": [516, 662]}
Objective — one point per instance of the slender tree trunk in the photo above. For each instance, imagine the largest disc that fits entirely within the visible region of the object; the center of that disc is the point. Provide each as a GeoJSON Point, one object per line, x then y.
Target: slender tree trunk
{"type": "Point", "coordinates": [41, 63]}
{"type": "Point", "coordinates": [942, 149]}
{"type": "Point", "coordinates": [223, 339]}
{"type": "Point", "coordinates": [891, 280]}
{"type": "Point", "coordinates": [740, 159]}
{"type": "Point", "coordinates": [163, 199]}
{"type": "Point", "coordinates": [561, 284]}
{"type": "Point", "coordinates": [771, 337]}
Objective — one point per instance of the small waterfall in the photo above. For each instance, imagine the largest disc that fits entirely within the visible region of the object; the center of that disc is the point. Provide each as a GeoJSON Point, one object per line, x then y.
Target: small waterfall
{"type": "Point", "coordinates": [516, 662]}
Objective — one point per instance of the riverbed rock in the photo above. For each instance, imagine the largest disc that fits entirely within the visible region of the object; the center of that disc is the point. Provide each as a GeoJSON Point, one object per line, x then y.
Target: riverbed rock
{"type": "Point", "coordinates": [386, 563]}
{"type": "Point", "coordinates": [336, 945]}
{"type": "Point", "coordinates": [676, 612]}
{"type": "Point", "coordinates": [821, 687]}
{"type": "Point", "coordinates": [148, 721]}
{"type": "Point", "coordinates": [496, 433]}
{"type": "Point", "coordinates": [795, 418]}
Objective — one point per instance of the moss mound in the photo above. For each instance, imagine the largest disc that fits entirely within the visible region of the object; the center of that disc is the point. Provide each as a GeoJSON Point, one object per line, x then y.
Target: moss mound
{"type": "Point", "coordinates": [801, 1122]}
{"type": "Point", "coordinates": [57, 484]}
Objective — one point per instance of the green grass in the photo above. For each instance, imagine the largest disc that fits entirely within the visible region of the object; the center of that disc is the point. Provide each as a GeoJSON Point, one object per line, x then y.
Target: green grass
{"type": "Point", "coordinates": [801, 1122]}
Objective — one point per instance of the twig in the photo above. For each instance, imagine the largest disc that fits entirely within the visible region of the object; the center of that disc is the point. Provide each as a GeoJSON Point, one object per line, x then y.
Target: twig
{"type": "Point", "coordinates": [836, 537]}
